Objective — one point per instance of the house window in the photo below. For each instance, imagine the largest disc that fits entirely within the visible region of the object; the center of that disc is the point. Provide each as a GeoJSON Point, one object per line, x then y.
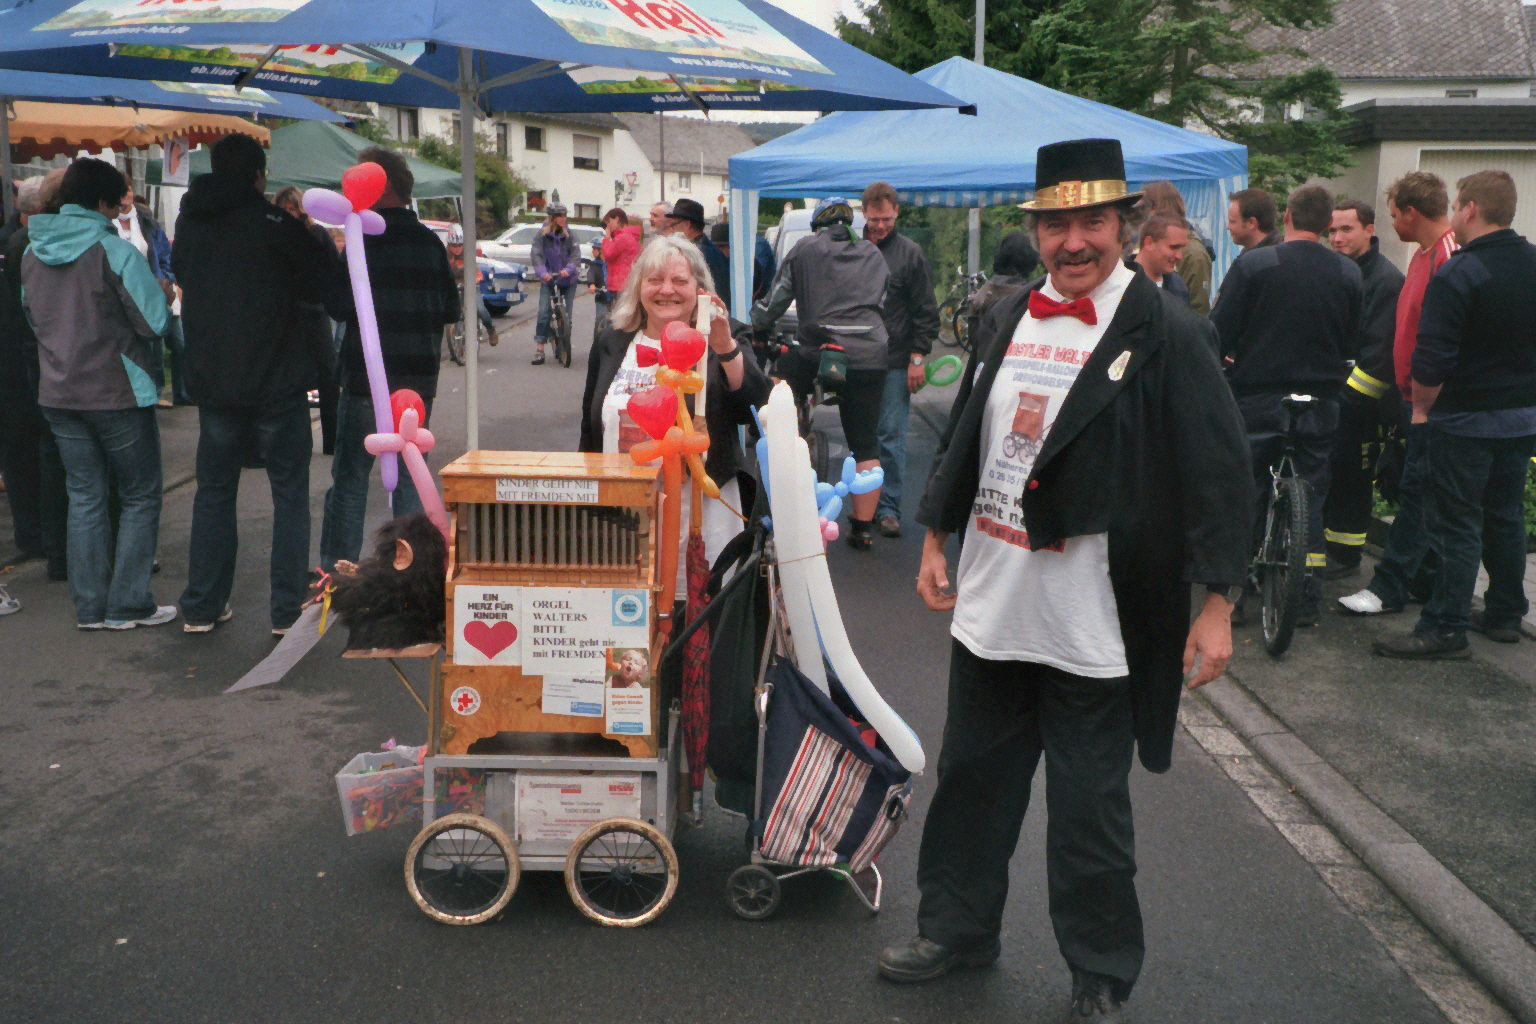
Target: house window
{"type": "Point", "coordinates": [533, 139]}
{"type": "Point", "coordinates": [1461, 94]}
{"type": "Point", "coordinates": [536, 199]}
{"type": "Point", "coordinates": [684, 181]}
{"type": "Point", "coordinates": [584, 151]}
{"type": "Point", "coordinates": [407, 127]}
{"type": "Point", "coordinates": [503, 146]}
{"type": "Point", "coordinates": [588, 211]}
{"type": "Point", "coordinates": [453, 133]}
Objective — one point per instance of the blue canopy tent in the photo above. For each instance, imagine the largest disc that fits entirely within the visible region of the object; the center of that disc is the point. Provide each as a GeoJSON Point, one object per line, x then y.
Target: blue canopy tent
{"type": "Point", "coordinates": [953, 158]}
{"type": "Point", "coordinates": [473, 55]}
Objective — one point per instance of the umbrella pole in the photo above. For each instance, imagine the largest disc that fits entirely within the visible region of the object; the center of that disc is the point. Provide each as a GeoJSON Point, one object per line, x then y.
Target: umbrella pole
{"type": "Point", "coordinates": [471, 261]}
{"type": "Point", "coordinates": [7, 173]}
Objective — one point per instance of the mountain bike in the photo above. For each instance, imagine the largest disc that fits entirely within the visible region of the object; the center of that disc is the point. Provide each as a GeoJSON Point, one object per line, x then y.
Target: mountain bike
{"type": "Point", "coordinates": [453, 337]}
{"type": "Point", "coordinates": [560, 326]}
{"type": "Point", "coordinates": [954, 314]}
{"type": "Point", "coordinates": [1279, 569]}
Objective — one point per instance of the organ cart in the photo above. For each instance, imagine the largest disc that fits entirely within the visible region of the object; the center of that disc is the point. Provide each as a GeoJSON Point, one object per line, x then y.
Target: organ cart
{"type": "Point", "coordinates": [545, 742]}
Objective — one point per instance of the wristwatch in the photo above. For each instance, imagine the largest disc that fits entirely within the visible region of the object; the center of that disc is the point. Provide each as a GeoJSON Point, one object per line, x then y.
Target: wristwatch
{"type": "Point", "coordinates": [1232, 594]}
{"type": "Point", "coordinates": [917, 360]}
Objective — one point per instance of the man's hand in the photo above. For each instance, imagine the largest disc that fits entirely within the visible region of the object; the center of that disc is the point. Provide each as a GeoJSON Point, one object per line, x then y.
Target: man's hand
{"type": "Point", "coordinates": [917, 376]}
{"type": "Point", "coordinates": [1210, 637]}
{"type": "Point", "coordinates": [546, 278]}
{"type": "Point", "coordinates": [933, 574]}
{"type": "Point", "coordinates": [170, 291]}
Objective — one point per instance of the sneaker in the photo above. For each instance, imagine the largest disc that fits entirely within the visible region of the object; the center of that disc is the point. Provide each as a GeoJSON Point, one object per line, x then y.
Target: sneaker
{"type": "Point", "coordinates": [1425, 645]}
{"type": "Point", "coordinates": [278, 634]}
{"type": "Point", "coordinates": [1499, 632]}
{"type": "Point", "coordinates": [163, 614]}
{"type": "Point", "coordinates": [207, 627]}
{"type": "Point", "coordinates": [493, 340]}
{"type": "Point", "coordinates": [1094, 999]}
{"type": "Point", "coordinates": [538, 359]}
{"type": "Point", "coordinates": [8, 604]}
{"type": "Point", "coordinates": [90, 627]}
{"type": "Point", "coordinates": [889, 526]}
{"type": "Point", "coordinates": [1366, 602]}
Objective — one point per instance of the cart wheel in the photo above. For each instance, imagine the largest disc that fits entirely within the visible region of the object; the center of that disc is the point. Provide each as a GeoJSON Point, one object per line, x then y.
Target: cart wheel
{"type": "Point", "coordinates": [753, 892]}
{"type": "Point", "coordinates": [462, 869]}
{"type": "Point", "coordinates": [621, 872]}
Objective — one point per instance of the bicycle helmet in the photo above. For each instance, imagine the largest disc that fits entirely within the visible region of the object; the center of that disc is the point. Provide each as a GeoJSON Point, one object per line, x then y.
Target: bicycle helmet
{"type": "Point", "coordinates": [555, 210]}
{"type": "Point", "coordinates": [455, 235]}
{"type": "Point", "coordinates": [832, 210]}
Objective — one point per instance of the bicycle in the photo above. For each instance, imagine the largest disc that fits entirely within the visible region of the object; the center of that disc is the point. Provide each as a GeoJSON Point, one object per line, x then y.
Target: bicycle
{"type": "Point", "coordinates": [1279, 569]}
{"type": "Point", "coordinates": [453, 336]}
{"type": "Point", "coordinates": [954, 328]}
{"type": "Point", "coordinates": [560, 326]}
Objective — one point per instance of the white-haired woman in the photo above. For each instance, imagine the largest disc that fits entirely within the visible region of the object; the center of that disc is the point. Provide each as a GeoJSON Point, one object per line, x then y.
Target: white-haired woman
{"type": "Point", "coordinates": [669, 282]}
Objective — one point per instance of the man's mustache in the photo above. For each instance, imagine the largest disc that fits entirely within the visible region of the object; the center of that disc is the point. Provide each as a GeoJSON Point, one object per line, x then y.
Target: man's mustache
{"type": "Point", "coordinates": [1087, 254]}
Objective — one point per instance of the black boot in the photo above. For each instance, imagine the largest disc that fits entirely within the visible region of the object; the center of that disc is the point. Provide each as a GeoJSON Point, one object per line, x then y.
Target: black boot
{"type": "Point", "coordinates": [860, 533]}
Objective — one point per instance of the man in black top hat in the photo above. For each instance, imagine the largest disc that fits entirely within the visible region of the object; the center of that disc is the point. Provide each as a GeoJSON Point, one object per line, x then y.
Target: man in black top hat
{"type": "Point", "coordinates": [687, 217]}
{"type": "Point", "coordinates": [1098, 463]}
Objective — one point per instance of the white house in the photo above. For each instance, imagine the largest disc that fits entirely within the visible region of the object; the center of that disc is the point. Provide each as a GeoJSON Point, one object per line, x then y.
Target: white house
{"type": "Point", "coordinates": [672, 158]}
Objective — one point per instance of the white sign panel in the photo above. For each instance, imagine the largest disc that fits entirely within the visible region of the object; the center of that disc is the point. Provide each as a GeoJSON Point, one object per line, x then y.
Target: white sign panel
{"type": "Point", "coordinates": [558, 806]}
{"type": "Point", "coordinates": [486, 625]}
{"type": "Point", "coordinates": [568, 696]}
{"type": "Point", "coordinates": [568, 630]}
{"type": "Point", "coordinates": [583, 492]}
{"type": "Point", "coordinates": [628, 711]}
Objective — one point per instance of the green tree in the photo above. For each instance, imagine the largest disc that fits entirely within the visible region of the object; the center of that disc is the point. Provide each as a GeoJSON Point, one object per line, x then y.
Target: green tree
{"type": "Point", "coordinates": [1221, 66]}
{"type": "Point", "coordinates": [498, 189]}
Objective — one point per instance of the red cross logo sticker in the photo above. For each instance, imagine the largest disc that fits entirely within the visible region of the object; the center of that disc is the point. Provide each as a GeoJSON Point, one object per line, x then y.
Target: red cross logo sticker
{"type": "Point", "coordinates": [464, 700]}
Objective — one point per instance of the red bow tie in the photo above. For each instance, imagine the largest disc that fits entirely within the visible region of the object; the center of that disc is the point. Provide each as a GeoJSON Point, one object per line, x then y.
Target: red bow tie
{"type": "Point", "coordinates": [647, 355]}
{"type": "Point", "coordinates": [1042, 306]}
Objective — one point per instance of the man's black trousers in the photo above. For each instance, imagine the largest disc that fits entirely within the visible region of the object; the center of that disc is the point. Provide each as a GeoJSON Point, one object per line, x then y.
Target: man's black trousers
{"type": "Point", "coordinates": [1002, 716]}
{"type": "Point", "coordinates": [1352, 473]}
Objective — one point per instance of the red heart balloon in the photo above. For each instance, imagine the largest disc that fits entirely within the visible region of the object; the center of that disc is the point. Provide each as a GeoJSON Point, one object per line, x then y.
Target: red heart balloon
{"type": "Point", "coordinates": [362, 185]}
{"type": "Point", "coordinates": [655, 409]}
{"type": "Point", "coordinates": [405, 399]}
{"type": "Point", "coordinates": [681, 346]}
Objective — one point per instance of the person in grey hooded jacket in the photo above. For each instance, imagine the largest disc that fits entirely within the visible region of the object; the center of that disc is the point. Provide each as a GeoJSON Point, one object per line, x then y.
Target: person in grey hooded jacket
{"type": "Point", "coordinates": [96, 307]}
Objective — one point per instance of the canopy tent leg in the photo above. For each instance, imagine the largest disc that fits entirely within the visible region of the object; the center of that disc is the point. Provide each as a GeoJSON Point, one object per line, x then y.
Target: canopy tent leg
{"type": "Point", "coordinates": [743, 228]}
{"type": "Point", "coordinates": [7, 173]}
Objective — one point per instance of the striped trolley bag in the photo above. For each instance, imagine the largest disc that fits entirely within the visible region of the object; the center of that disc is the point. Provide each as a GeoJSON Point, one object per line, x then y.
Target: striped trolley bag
{"type": "Point", "coordinates": [829, 799]}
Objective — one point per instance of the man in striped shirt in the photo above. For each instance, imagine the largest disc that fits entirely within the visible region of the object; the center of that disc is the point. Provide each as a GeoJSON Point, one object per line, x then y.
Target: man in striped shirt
{"type": "Point", "coordinates": [1419, 206]}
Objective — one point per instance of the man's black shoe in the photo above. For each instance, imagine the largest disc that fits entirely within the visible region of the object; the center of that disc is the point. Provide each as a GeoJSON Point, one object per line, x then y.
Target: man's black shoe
{"type": "Point", "coordinates": [1338, 569]}
{"type": "Point", "coordinates": [921, 960]}
{"type": "Point", "coordinates": [1425, 645]}
{"type": "Point", "coordinates": [1094, 999]}
{"type": "Point", "coordinates": [889, 526]}
{"type": "Point", "coordinates": [1500, 631]}
{"type": "Point", "coordinates": [1307, 614]}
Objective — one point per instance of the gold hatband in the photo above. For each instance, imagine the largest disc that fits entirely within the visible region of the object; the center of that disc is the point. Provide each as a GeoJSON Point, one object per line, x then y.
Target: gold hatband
{"type": "Point", "coordinates": [1078, 193]}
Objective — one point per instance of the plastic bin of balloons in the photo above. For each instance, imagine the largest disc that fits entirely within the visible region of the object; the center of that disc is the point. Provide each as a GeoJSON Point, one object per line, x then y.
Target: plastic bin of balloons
{"type": "Point", "coordinates": [383, 788]}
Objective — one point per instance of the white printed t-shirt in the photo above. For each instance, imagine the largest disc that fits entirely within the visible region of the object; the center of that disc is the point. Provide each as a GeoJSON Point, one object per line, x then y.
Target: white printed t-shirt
{"type": "Point", "coordinates": [1053, 607]}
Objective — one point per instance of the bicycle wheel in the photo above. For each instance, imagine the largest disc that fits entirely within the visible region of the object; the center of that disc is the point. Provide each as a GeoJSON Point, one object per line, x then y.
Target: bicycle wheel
{"type": "Point", "coordinates": [621, 872]}
{"type": "Point", "coordinates": [961, 328]}
{"type": "Point", "coordinates": [1283, 563]}
{"type": "Point", "coordinates": [453, 340]}
{"type": "Point", "coordinates": [562, 328]}
{"type": "Point", "coordinates": [462, 869]}
{"type": "Point", "coordinates": [949, 312]}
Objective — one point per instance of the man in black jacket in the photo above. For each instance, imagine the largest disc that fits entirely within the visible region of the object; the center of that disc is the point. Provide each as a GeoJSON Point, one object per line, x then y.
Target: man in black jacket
{"type": "Point", "coordinates": [1288, 317]}
{"type": "Point", "coordinates": [1098, 464]}
{"type": "Point", "coordinates": [1474, 384]}
{"type": "Point", "coordinates": [414, 295]}
{"type": "Point", "coordinates": [911, 324]}
{"type": "Point", "coordinates": [1367, 404]}
{"type": "Point", "coordinates": [244, 266]}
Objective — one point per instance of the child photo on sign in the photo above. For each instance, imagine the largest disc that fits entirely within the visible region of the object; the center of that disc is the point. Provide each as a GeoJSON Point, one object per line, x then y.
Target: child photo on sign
{"type": "Point", "coordinates": [629, 668]}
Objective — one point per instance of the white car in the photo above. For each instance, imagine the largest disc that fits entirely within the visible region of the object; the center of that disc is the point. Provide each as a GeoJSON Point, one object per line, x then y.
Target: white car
{"type": "Point", "coordinates": [514, 245]}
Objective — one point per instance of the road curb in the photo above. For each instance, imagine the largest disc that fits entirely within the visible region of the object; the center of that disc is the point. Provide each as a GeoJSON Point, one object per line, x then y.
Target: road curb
{"type": "Point", "coordinates": [1492, 950]}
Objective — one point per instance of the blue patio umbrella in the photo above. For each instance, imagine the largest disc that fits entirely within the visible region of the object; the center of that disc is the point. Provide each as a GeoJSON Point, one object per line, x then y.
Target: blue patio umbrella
{"type": "Point", "coordinates": [53, 88]}
{"type": "Point", "coordinates": [476, 55]}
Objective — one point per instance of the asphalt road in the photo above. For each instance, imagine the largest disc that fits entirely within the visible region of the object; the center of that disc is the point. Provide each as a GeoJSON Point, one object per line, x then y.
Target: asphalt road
{"type": "Point", "coordinates": [172, 854]}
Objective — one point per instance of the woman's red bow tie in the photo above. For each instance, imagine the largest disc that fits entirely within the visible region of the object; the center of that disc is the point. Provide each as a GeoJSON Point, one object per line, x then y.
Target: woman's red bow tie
{"type": "Point", "coordinates": [1042, 306]}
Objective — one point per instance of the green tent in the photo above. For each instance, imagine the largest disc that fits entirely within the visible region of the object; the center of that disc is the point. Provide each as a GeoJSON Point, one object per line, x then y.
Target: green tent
{"type": "Point", "coordinates": [314, 154]}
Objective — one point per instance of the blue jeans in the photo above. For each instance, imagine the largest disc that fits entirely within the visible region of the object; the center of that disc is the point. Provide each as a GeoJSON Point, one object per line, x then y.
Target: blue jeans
{"type": "Point", "coordinates": [895, 407]}
{"type": "Point", "coordinates": [346, 503]}
{"type": "Point", "coordinates": [176, 342]}
{"type": "Point", "coordinates": [1475, 513]}
{"type": "Point", "coordinates": [283, 442]}
{"type": "Point", "coordinates": [100, 450]}
{"type": "Point", "coordinates": [1408, 541]}
{"type": "Point", "coordinates": [546, 292]}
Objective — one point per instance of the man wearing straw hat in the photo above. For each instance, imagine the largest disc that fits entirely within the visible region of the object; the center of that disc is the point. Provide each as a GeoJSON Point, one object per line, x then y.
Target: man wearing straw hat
{"type": "Point", "coordinates": [1097, 460]}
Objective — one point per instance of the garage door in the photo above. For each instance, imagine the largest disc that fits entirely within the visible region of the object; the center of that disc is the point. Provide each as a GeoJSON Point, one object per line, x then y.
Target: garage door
{"type": "Point", "coordinates": [1455, 164]}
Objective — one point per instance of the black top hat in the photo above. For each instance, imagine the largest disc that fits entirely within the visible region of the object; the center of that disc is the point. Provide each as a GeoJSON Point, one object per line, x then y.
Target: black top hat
{"type": "Point", "coordinates": [688, 209]}
{"type": "Point", "coordinates": [1077, 174]}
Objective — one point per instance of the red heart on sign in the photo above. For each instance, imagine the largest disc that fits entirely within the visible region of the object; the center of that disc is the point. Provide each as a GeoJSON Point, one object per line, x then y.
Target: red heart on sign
{"type": "Point", "coordinates": [681, 346]}
{"type": "Point", "coordinates": [362, 185]}
{"type": "Point", "coordinates": [655, 409]}
{"type": "Point", "coordinates": [490, 640]}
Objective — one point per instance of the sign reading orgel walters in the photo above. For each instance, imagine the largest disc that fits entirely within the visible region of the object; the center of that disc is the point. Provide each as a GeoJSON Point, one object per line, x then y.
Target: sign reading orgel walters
{"type": "Point", "coordinates": [487, 625]}
{"type": "Point", "coordinates": [567, 630]}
